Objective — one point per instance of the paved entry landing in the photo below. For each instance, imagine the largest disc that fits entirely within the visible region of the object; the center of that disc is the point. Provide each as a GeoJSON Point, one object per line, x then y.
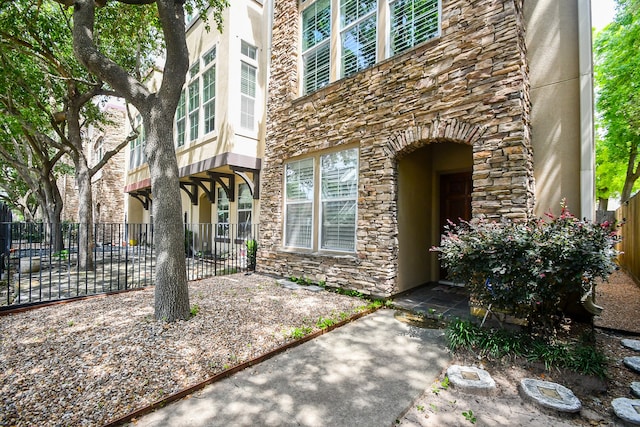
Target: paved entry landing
{"type": "Point", "coordinates": [435, 299]}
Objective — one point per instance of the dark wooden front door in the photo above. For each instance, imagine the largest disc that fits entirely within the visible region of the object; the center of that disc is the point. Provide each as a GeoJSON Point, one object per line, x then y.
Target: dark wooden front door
{"type": "Point", "coordinates": [455, 201]}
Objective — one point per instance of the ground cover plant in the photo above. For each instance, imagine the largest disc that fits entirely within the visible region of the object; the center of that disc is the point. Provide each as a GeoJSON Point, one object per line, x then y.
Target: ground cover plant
{"type": "Point", "coordinates": [538, 270]}
{"type": "Point", "coordinates": [576, 352]}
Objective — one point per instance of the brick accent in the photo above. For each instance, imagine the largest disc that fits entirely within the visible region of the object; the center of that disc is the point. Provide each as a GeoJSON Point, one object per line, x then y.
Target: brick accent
{"type": "Point", "coordinates": [468, 86]}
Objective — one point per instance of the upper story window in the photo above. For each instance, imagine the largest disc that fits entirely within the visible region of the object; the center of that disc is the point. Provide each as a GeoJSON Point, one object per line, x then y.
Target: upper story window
{"type": "Point", "coordinates": [413, 22]}
{"type": "Point", "coordinates": [194, 102]}
{"type": "Point", "coordinates": [358, 35]}
{"type": "Point", "coordinates": [196, 110]}
{"type": "Point", "coordinates": [181, 120]}
{"type": "Point", "coordinates": [98, 150]}
{"type": "Point", "coordinates": [209, 91]}
{"type": "Point", "coordinates": [316, 32]}
{"type": "Point", "coordinates": [248, 83]}
{"type": "Point", "coordinates": [363, 37]}
{"type": "Point", "coordinates": [136, 147]}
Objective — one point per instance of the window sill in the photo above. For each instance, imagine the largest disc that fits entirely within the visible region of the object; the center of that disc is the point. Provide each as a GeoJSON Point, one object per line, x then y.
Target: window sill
{"type": "Point", "coordinates": [318, 254]}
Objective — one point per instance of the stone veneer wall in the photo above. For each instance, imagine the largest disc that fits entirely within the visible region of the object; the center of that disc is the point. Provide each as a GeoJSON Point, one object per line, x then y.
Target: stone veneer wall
{"type": "Point", "coordinates": [108, 184]}
{"type": "Point", "coordinates": [467, 86]}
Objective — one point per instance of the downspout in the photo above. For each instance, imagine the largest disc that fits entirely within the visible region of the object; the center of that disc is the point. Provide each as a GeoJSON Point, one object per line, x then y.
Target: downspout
{"type": "Point", "coordinates": [587, 142]}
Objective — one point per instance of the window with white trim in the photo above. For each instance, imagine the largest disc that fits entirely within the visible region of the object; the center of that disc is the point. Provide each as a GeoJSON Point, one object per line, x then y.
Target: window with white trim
{"type": "Point", "coordinates": [339, 199]}
{"type": "Point", "coordinates": [245, 209]}
{"type": "Point", "coordinates": [222, 214]}
{"type": "Point", "coordinates": [413, 22]}
{"type": "Point", "coordinates": [136, 146]}
{"type": "Point", "coordinates": [181, 120]}
{"type": "Point", "coordinates": [358, 20]}
{"type": "Point", "coordinates": [194, 102]}
{"type": "Point", "coordinates": [332, 192]}
{"type": "Point", "coordinates": [195, 114]}
{"type": "Point", "coordinates": [363, 38]}
{"type": "Point", "coordinates": [248, 82]}
{"type": "Point", "coordinates": [209, 90]}
{"type": "Point", "coordinates": [316, 31]}
{"type": "Point", "coordinates": [299, 195]}
{"type": "Point", "coordinates": [98, 150]}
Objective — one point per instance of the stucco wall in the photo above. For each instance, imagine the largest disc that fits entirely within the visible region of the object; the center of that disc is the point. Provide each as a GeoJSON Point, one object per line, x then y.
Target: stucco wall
{"type": "Point", "coordinates": [553, 38]}
{"type": "Point", "coordinates": [468, 86]}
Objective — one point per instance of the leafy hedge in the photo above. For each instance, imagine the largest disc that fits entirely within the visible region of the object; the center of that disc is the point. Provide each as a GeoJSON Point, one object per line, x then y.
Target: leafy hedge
{"type": "Point", "coordinates": [533, 269]}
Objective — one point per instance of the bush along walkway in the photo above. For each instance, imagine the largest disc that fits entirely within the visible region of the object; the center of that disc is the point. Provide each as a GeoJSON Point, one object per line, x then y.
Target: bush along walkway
{"type": "Point", "coordinates": [629, 409]}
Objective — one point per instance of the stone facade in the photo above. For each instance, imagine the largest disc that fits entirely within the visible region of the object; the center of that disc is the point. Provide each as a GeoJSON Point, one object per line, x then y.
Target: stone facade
{"type": "Point", "coordinates": [467, 86]}
{"type": "Point", "coordinates": [108, 183]}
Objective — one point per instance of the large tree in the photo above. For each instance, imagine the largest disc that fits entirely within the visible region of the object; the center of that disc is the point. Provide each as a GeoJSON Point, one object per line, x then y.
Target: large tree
{"type": "Point", "coordinates": [157, 110]}
{"type": "Point", "coordinates": [617, 75]}
{"type": "Point", "coordinates": [37, 59]}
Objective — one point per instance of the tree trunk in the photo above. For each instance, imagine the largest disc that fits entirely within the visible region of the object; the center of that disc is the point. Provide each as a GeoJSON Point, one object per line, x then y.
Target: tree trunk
{"type": "Point", "coordinates": [158, 110]}
{"type": "Point", "coordinates": [603, 204]}
{"type": "Point", "coordinates": [53, 213]}
{"type": "Point", "coordinates": [85, 216]}
{"type": "Point", "coordinates": [83, 180]}
{"type": "Point", "coordinates": [171, 291]}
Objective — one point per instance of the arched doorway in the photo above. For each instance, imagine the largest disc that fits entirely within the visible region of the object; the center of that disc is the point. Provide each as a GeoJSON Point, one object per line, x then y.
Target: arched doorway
{"type": "Point", "coordinates": [434, 182]}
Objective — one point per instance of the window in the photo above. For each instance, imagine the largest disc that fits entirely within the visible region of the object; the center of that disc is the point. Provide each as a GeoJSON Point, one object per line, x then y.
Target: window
{"type": "Point", "coordinates": [209, 98]}
{"type": "Point", "coordinates": [339, 197]}
{"type": "Point", "coordinates": [136, 147]}
{"type": "Point", "coordinates": [249, 51]}
{"type": "Point", "coordinates": [413, 22]}
{"type": "Point", "coordinates": [245, 208]}
{"type": "Point", "coordinates": [181, 121]}
{"type": "Point", "coordinates": [248, 73]}
{"type": "Point", "coordinates": [222, 208]}
{"type": "Point", "coordinates": [299, 203]}
{"type": "Point", "coordinates": [336, 196]}
{"type": "Point", "coordinates": [196, 107]}
{"type": "Point", "coordinates": [316, 31]}
{"type": "Point", "coordinates": [209, 90]}
{"type": "Point", "coordinates": [98, 150]}
{"type": "Point", "coordinates": [362, 38]}
{"type": "Point", "coordinates": [358, 36]}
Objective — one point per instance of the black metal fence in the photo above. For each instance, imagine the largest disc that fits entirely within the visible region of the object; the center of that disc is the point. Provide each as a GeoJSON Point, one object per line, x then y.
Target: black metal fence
{"type": "Point", "coordinates": [40, 264]}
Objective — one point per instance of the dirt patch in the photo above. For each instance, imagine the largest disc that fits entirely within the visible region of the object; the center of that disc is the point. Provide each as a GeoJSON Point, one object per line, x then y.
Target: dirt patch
{"type": "Point", "coordinates": [440, 405]}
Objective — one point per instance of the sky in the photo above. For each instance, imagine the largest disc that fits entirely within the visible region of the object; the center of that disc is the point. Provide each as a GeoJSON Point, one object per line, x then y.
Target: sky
{"type": "Point", "coordinates": [602, 12]}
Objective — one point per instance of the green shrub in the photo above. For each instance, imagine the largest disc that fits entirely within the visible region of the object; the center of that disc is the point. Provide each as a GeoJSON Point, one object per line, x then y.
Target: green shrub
{"type": "Point", "coordinates": [532, 269]}
{"type": "Point", "coordinates": [252, 251]}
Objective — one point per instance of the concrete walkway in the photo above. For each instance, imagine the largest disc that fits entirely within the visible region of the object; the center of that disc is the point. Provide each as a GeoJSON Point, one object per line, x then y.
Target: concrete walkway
{"type": "Point", "coordinates": [366, 373]}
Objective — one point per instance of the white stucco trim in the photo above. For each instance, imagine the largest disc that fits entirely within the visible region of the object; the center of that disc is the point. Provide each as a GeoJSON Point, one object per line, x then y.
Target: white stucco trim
{"type": "Point", "coordinates": [587, 145]}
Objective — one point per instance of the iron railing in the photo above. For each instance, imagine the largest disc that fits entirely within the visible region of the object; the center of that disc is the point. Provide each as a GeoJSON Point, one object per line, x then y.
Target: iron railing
{"type": "Point", "coordinates": [40, 263]}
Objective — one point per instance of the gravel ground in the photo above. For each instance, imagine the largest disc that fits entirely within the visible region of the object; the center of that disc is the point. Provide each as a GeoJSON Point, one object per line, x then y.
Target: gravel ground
{"type": "Point", "coordinates": [620, 298]}
{"type": "Point", "coordinates": [88, 362]}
